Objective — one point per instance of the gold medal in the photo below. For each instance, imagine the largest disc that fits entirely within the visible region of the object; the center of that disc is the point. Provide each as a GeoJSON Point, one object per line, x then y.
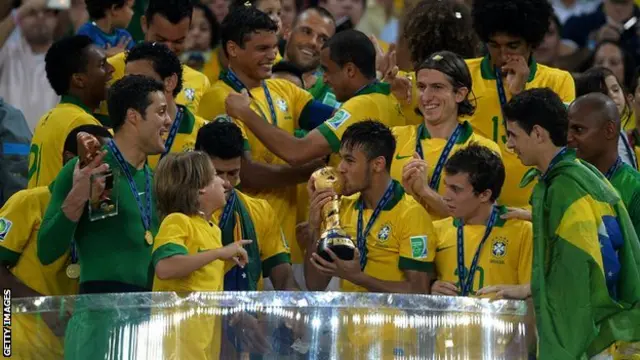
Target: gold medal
{"type": "Point", "coordinates": [148, 237]}
{"type": "Point", "coordinates": [73, 271]}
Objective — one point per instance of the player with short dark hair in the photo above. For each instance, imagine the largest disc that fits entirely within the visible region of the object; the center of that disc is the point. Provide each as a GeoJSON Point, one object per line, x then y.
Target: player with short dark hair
{"type": "Point", "coordinates": [21, 270]}
{"type": "Point", "coordinates": [511, 31]}
{"type": "Point", "coordinates": [288, 71]}
{"type": "Point", "coordinates": [156, 61]}
{"type": "Point", "coordinates": [585, 282]}
{"type": "Point", "coordinates": [107, 26]}
{"type": "Point", "coordinates": [168, 22]}
{"type": "Point", "coordinates": [473, 178]}
{"type": "Point", "coordinates": [394, 235]}
{"type": "Point", "coordinates": [249, 39]}
{"type": "Point", "coordinates": [79, 73]}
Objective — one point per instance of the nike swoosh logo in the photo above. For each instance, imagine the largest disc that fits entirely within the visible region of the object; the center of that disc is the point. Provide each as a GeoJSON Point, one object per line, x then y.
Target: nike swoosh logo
{"type": "Point", "coordinates": [398, 157]}
{"type": "Point", "coordinates": [444, 248]}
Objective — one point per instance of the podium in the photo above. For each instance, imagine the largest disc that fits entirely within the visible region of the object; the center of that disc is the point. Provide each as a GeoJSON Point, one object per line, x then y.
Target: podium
{"type": "Point", "coordinates": [268, 325]}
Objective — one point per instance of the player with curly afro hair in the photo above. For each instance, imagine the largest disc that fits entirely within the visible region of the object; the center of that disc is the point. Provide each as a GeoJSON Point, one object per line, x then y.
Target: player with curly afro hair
{"type": "Point", "coordinates": [511, 31]}
{"type": "Point", "coordinates": [433, 26]}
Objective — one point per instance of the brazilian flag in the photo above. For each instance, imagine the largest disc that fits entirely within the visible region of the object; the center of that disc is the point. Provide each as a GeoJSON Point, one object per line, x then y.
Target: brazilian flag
{"type": "Point", "coordinates": [586, 263]}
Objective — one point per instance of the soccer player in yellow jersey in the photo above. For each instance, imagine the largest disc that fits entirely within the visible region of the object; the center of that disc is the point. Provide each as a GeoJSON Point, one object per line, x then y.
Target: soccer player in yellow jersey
{"type": "Point", "coordinates": [156, 61]}
{"type": "Point", "coordinates": [476, 248]}
{"type": "Point", "coordinates": [250, 42]}
{"type": "Point", "coordinates": [443, 84]}
{"type": "Point", "coordinates": [245, 217]}
{"type": "Point", "coordinates": [21, 270]}
{"type": "Point", "coordinates": [348, 60]}
{"type": "Point", "coordinates": [394, 236]}
{"type": "Point", "coordinates": [167, 22]}
{"type": "Point", "coordinates": [511, 31]}
{"type": "Point", "coordinates": [188, 247]}
{"type": "Point", "coordinates": [78, 71]}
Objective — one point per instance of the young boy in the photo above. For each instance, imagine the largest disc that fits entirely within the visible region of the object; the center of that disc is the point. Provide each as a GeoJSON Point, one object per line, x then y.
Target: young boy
{"type": "Point", "coordinates": [109, 19]}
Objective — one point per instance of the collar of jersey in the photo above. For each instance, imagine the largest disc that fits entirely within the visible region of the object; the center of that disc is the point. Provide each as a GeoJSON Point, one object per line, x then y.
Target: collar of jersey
{"type": "Point", "coordinates": [499, 221]}
{"type": "Point", "coordinates": [488, 73]}
{"type": "Point", "coordinates": [188, 120]}
{"type": "Point", "coordinates": [70, 99]}
{"type": "Point", "coordinates": [467, 131]}
{"type": "Point", "coordinates": [375, 87]}
{"type": "Point", "coordinates": [225, 79]}
{"type": "Point", "coordinates": [398, 193]}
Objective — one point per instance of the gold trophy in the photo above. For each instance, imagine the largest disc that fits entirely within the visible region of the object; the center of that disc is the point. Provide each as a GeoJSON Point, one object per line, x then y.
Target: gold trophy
{"type": "Point", "coordinates": [105, 204]}
{"type": "Point", "coordinates": [333, 235]}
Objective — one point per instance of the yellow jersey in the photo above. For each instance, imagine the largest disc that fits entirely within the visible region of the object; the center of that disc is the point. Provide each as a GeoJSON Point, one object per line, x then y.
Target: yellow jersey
{"type": "Point", "coordinates": [402, 237]}
{"type": "Point", "coordinates": [47, 144]}
{"type": "Point", "coordinates": [194, 83]}
{"type": "Point", "coordinates": [488, 121]}
{"type": "Point", "coordinates": [198, 335]}
{"type": "Point", "coordinates": [272, 247]}
{"type": "Point", "coordinates": [406, 137]}
{"type": "Point", "coordinates": [505, 258]}
{"type": "Point", "coordinates": [375, 102]}
{"type": "Point", "coordinates": [185, 139]}
{"type": "Point", "coordinates": [290, 104]}
{"type": "Point", "coordinates": [20, 220]}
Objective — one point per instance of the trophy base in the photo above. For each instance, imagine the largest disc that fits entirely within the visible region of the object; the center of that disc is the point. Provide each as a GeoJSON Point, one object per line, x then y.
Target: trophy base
{"type": "Point", "coordinates": [339, 242]}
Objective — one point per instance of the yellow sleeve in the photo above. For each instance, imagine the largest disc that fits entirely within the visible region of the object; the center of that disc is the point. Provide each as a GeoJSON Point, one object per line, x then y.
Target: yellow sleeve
{"type": "Point", "coordinates": [211, 106]}
{"type": "Point", "coordinates": [566, 88]}
{"type": "Point", "coordinates": [526, 253]}
{"type": "Point", "coordinates": [418, 240]}
{"type": "Point", "coordinates": [17, 223]}
{"type": "Point", "coordinates": [334, 128]}
{"type": "Point", "coordinates": [274, 249]}
{"type": "Point", "coordinates": [172, 237]}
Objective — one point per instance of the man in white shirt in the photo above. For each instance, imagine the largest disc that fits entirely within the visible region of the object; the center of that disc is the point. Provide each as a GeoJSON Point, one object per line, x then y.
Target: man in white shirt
{"type": "Point", "coordinates": [25, 36]}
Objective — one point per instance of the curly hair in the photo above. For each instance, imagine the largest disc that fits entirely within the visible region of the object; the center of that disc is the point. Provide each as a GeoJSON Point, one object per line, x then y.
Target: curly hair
{"type": "Point", "coordinates": [440, 25]}
{"type": "Point", "coordinates": [528, 19]}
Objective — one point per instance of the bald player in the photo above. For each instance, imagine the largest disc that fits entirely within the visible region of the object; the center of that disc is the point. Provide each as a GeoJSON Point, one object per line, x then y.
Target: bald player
{"type": "Point", "coordinates": [594, 127]}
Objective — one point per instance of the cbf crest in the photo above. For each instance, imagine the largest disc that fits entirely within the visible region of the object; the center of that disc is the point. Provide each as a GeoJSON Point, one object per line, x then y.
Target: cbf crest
{"type": "Point", "coordinates": [499, 248]}
{"type": "Point", "coordinates": [384, 233]}
{"type": "Point", "coordinates": [190, 94]}
{"type": "Point", "coordinates": [282, 105]}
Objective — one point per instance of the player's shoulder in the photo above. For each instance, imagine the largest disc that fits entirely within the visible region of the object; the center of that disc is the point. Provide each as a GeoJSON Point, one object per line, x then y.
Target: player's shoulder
{"type": "Point", "coordinates": [192, 76]}
{"type": "Point", "coordinates": [117, 59]}
{"type": "Point", "coordinates": [442, 225]}
{"type": "Point", "coordinates": [199, 122]}
{"type": "Point", "coordinates": [547, 76]}
{"type": "Point", "coordinates": [177, 219]}
{"type": "Point", "coordinates": [24, 200]}
{"type": "Point", "coordinates": [474, 64]}
{"type": "Point", "coordinates": [404, 133]}
{"type": "Point", "coordinates": [284, 88]}
{"type": "Point", "coordinates": [409, 209]}
{"type": "Point", "coordinates": [483, 141]}
{"type": "Point", "coordinates": [259, 207]}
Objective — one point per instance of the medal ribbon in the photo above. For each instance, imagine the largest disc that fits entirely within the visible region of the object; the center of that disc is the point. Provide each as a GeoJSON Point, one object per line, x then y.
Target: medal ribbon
{"type": "Point", "coordinates": [231, 76]}
{"type": "Point", "coordinates": [554, 161]}
{"type": "Point", "coordinates": [466, 280]}
{"type": "Point", "coordinates": [228, 209]}
{"type": "Point", "coordinates": [444, 155]}
{"type": "Point", "coordinates": [362, 236]}
{"type": "Point", "coordinates": [145, 212]}
{"type": "Point", "coordinates": [612, 170]}
{"type": "Point", "coordinates": [74, 251]}
{"type": "Point", "coordinates": [172, 132]}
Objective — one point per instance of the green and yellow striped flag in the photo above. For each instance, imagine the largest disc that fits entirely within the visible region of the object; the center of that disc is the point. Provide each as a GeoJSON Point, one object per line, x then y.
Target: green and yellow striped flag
{"type": "Point", "coordinates": [586, 263]}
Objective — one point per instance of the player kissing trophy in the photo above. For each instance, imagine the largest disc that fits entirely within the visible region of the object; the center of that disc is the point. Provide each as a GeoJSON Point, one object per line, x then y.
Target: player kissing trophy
{"type": "Point", "coordinates": [103, 197]}
{"type": "Point", "coordinates": [333, 236]}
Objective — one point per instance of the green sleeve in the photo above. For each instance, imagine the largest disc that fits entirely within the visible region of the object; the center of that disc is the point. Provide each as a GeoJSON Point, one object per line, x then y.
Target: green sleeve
{"type": "Point", "coordinates": [330, 136]}
{"type": "Point", "coordinates": [275, 260]}
{"type": "Point", "coordinates": [56, 230]}
{"type": "Point", "coordinates": [8, 257]}
{"type": "Point", "coordinates": [415, 265]}
{"type": "Point", "coordinates": [167, 250]}
{"type": "Point", "coordinates": [633, 208]}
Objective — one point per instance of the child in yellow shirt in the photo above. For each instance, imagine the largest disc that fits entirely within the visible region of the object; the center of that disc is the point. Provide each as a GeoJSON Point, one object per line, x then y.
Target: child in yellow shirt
{"type": "Point", "coordinates": [188, 247]}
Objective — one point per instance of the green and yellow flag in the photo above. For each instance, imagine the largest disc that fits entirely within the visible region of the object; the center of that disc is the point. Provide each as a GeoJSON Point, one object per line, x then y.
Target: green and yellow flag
{"type": "Point", "coordinates": [586, 263]}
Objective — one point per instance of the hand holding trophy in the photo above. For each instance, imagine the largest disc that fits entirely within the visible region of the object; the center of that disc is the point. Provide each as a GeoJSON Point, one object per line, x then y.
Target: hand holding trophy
{"type": "Point", "coordinates": [333, 236]}
{"type": "Point", "coordinates": [102, 201]}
